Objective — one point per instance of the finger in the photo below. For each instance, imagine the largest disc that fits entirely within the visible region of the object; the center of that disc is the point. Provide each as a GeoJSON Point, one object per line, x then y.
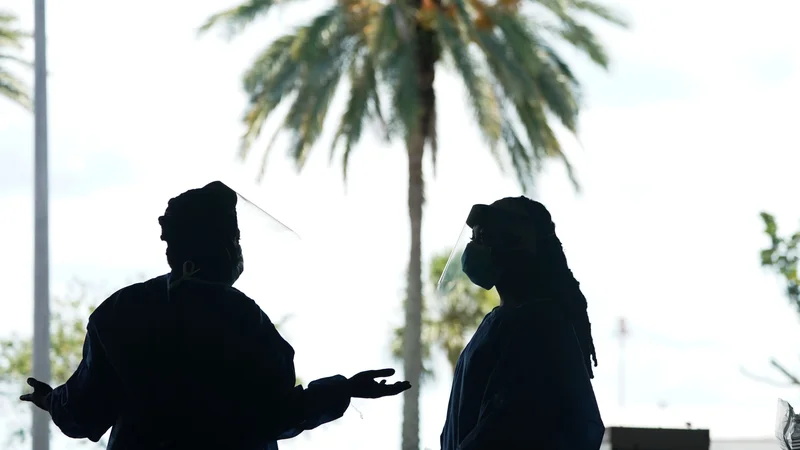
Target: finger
{"type": "Point", "coordinates": [383, 382]}
{"type": "Point", "coordinates": [35, 384]}
{"type": "Point", "coordinates": [382, 373]}
{"type": "Point", "coordinates": [396, 388]}
{"type": "Point", "coordinates": [26, 397]}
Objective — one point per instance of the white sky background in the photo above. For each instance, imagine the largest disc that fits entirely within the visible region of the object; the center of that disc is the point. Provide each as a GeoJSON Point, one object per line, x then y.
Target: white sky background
{"type": "Point", "coordinates": [685, 140]}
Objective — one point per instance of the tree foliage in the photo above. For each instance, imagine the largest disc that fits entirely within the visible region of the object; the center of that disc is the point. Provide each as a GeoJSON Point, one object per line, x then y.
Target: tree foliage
{"type": "Point", "coordinates": [11, 43]}
{"type": "Point", "coordinates": [449, 320]}
{"type": "Point", "coordinates": [782, 256]}
{"type": "Point", "coordinates": [515, 80]}
{"type": "Point", "coordinates": [69, 314]}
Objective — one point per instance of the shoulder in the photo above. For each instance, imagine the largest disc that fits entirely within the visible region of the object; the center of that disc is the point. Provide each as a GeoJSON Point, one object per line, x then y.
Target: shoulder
{"type": "Point", "coordinates": [127, 301]}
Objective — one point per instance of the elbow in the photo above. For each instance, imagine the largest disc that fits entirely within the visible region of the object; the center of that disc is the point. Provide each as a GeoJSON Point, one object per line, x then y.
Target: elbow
{"type": "Point", "coordinates": [73, 431]}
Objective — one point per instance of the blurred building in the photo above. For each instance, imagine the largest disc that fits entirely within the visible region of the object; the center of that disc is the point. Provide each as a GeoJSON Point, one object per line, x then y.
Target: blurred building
{"type": "Point", "coordinates": [625, 438]}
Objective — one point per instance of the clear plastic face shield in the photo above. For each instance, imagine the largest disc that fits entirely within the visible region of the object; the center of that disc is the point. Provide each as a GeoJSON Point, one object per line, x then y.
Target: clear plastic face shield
{"type": "Point", "coordinates": [269, 250]}
{"type": "Point", "coordinates": [267, 244]}
{"type": "Point", "coordinates": [486, 227]}
{"type": "Point", "coordinates": [453, 280]}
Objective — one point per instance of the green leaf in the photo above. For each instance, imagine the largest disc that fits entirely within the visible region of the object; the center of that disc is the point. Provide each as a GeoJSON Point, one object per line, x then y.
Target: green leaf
{"type": "Point", "coordinates": [485, 105]}
{"type": "Point", "coordinates": [236, 19]}
{"type": "Point", "coordinates": [363, 89]}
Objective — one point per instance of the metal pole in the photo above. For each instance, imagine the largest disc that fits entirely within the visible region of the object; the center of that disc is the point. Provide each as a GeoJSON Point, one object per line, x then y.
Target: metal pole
{"type": "Point", "coordinates": [41, 249]}
{"type": "Point", "coordinates": [622, 334]}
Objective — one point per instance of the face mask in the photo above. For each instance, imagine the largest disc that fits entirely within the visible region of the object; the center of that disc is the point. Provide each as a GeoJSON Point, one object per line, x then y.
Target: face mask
{"type": "Point", "coordinates": [477, 263]}
{"type": "Point", "coordinates": [238, 267]}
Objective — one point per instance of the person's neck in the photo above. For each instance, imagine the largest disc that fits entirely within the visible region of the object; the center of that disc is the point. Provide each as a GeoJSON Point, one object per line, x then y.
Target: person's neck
{"type": "Point", "coordinates": [210, 277]}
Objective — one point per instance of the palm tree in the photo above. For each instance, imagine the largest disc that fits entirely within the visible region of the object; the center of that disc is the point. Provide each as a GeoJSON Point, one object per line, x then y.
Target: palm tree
{"type": "Point", "coordinates": [388, 52]}
{"type": "Point", "coordinates": [450, 320]}
{"type": "Point", "coordinates": [11, 39]}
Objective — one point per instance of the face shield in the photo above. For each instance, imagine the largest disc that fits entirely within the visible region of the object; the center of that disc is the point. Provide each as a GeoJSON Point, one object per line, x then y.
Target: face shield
{"type": "Point", "coordinates": [474, 259]}
{"type": "Point", "coordinates": [268, 246]}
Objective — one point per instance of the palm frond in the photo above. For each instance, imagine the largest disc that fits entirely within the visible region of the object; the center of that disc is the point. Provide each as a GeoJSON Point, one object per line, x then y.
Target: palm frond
{"type": "Point", "coordinates": [325, 60]}
{"type": "Point", "coordinates": [236, 19]}
{"type": "Point", "coordinates": [10, 36]}
{"type": "Point", "coordinates": [485, 105]}
{"type": "Point", "coordinates": [271, 77]}
{"type": "Point", "coordinates": [16, 59]}
{"type": "Point", "coordinates": [601, 11]}
{"type": "Point", "coordinates": [363, 89]}
{"type": "Point", "coordinates": [582, 38]}
{"type": "Point", "coordinates": [508, 72]}
{"type": "Point", "coordinates": [14, 89]}
{"type": "Point", "coordinates": [397, 64]}
{"type": "Point", "coordinates": [544, 143]}
{"type": "Point", "coordinates": [525, 167]}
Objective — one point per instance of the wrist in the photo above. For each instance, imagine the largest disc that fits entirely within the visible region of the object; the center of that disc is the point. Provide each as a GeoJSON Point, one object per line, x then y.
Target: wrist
{"type": "Point", "coordinates": [46, 401]}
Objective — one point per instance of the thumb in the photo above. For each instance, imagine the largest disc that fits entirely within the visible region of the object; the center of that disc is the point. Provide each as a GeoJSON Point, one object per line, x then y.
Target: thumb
{"type": "Point", "coordinates": [36, 384]}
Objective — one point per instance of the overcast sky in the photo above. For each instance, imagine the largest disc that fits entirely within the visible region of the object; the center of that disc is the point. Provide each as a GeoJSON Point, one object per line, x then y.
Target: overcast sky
{"type": "Point", "coordinates": [685, 140]}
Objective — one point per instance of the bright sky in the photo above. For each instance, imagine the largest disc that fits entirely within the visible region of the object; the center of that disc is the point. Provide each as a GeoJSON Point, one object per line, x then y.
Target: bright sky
{"type": "Point", "coordinates": [684, 141]}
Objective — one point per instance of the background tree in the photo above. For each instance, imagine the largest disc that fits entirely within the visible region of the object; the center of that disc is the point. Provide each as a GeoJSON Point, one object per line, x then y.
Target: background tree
{"type": "Point", "coordinates": [448, 321]}
{"type": "Point", "coordinates": [388, 53]}
{"type": "Point", "coordinates": [11, 39]}
{"type": "Point", "coordinates": [782, 257]}
{"type": "Point", "coordinates": [68, 329]}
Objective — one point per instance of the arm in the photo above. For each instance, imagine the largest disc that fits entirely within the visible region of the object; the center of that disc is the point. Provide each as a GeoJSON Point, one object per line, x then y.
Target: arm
{"type": "Point", "coordinates": [86, 405]}
{"type": "Point", "coordinates": [291, 409]}
{"type": "Point", "coordinates": [324, 401]}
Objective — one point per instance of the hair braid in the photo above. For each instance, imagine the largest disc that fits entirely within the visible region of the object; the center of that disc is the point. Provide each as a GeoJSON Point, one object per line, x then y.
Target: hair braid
{"type": "Point", "coordinates": [552, 268]}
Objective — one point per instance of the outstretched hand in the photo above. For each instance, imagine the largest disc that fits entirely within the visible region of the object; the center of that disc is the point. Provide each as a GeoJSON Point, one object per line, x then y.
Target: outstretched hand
{"type": "Point", "coordinates": [363, 384]}
{"type": "Point", "coordinates": [40, 395]}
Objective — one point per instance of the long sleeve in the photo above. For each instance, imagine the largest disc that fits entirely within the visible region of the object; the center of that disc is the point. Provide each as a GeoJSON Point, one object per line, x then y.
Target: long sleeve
{"type": "Point", "coordinates": [86, 406]}
{"type": "Point", "coordinates": [324, 401]}
{"type": "Point", "coordinates": [289, 410]}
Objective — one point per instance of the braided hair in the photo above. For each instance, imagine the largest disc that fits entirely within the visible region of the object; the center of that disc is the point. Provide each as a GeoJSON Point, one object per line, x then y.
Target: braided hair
{"type": "Point", "coordinates": [552, 274]}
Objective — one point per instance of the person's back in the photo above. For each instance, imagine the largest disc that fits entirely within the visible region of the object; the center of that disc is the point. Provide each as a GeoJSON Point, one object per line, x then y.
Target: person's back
{"type": "Point", "coordinates": [187, 361]}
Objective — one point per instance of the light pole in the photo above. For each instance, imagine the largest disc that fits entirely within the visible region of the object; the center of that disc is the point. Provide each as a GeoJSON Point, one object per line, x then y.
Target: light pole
{"type": "Point", "coordinates": [622, 334]}
{"type": "Point", "coordinates": [41, 245]}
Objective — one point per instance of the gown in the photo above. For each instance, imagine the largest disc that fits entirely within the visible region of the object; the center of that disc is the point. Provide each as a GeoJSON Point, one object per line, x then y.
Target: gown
{"type": "Point", "coordinates": [200, 366]}
{"type": "Point", "coordinates": [521, 384]}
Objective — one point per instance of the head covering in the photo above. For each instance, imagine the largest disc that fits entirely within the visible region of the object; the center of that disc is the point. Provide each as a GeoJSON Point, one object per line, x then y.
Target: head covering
{"type": "Point", "coordinates": [534, 210]}
{"type": "Point", "coordinates": [201, 214]}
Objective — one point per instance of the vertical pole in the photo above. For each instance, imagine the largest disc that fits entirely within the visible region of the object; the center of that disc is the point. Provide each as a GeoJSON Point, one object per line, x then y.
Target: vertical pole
{"type": "Point", "coordinates": [622, 334]}
{"type": "Point", "coordinates": [41, 249]}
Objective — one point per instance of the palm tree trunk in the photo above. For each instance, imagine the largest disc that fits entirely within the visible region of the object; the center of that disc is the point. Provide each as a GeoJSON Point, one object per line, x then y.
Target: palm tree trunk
{"type": "Point", "coordinates": [412, 349]}
{"type": "Point", "coordinates": [415, 146]}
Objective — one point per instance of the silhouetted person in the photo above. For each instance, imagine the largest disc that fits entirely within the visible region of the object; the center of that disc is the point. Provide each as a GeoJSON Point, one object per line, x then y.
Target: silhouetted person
{"type": "Point", "coordinates": [523, 380]}
{"type": "Point", "coordinates": [186, 361]}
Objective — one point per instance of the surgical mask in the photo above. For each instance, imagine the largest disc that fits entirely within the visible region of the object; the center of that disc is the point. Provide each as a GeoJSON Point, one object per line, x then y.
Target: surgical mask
{"type": "Point", "coordinates": [478, 265]}
{"type": "Point", "coordinates": [238, 267]}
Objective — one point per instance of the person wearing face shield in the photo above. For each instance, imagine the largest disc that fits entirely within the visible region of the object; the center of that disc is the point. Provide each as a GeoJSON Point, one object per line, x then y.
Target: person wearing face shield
{"type": "Point", "coordinates": [523, 380]}
{"type": "Point", "coordinates": [186, 361]}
